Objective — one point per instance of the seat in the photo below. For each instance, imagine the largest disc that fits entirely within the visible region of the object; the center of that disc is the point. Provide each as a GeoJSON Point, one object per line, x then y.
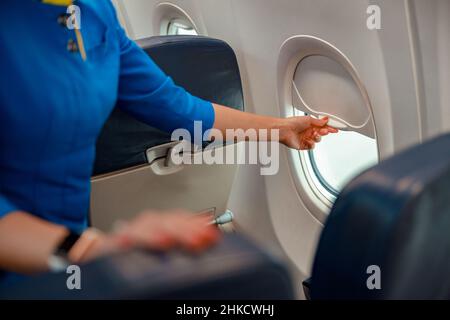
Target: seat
{"type": "Point", "coordinates": [235, 269]}
{"type": "Point", "coordinates": [395, 216]}
{"type": "Point", "coordinates": [131, 172]}
{"type": "Point", "coordinates": [205, 67]}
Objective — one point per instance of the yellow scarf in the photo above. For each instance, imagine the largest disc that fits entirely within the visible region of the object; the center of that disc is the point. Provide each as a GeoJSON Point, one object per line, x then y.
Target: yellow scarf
{"type": "Point", "coordinates": [80, 41]}
{"type": "Point", "coordinates": [65, 3]}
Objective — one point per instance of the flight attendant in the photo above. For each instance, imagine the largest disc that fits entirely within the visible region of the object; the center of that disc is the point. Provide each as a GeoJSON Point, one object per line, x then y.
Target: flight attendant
{"type": "Point", "coordinates": [57, 89]}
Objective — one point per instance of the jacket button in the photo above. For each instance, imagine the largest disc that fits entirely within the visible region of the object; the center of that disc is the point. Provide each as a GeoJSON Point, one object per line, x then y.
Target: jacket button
{"type": "Point", "coordinates": [72, 46]}
{"type": "Point", "coordinates": [62, 19]}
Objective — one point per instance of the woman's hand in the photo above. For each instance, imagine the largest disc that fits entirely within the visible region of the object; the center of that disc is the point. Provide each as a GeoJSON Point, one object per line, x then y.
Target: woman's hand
{"type": "Point", "coordinates": [302, 133]}
{"type": "Point", "coordinates": [158, 231]}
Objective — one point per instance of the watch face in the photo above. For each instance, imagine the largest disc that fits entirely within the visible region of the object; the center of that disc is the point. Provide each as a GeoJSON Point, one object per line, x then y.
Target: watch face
{"type": "Point", "coordinates": [57, 263]}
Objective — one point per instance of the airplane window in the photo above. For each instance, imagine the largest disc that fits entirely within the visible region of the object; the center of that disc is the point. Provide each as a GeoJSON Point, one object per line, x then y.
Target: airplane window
{"type": "Point", "coordinates": [180, 27]}
{"type": "Point", "coordinates": [338, 158]}
{"type": "Point", "coordinates": [322, 85]}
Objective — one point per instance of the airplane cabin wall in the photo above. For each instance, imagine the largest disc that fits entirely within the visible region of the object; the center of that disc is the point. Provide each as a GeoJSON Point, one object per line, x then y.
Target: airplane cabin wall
{"type": "Point", "coordinates": [404, 66]}
{"type": "Point", "coordinates": [433, 27]}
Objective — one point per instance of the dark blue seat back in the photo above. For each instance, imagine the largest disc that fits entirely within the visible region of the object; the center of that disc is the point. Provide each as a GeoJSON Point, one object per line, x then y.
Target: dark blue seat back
{"type": "Point", "coordinates": [395, 216]}
{"type": "Point", "coordinates": [205, 67]}
{"type": "Point", "coordinates": [234, 269]}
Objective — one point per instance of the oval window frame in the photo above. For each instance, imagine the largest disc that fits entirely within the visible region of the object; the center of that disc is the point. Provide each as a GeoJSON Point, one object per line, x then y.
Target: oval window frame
{"type": "Point", "coordinates": [183, 22]}
{"type": "Point", "coordinates": [166, 12]}
{"type": "Point", "coordinates": [313, 194]}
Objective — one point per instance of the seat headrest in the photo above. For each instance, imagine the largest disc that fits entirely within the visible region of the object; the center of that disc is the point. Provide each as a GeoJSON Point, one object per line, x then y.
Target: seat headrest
{"type": "Point", "coordinates": [205, 67]}
{"type": "Point", "coordinates": [395, 217]}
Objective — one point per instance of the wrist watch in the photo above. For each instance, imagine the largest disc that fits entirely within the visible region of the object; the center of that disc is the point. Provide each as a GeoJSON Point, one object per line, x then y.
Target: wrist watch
{"type": "Point", "coordinates": [59, 260]}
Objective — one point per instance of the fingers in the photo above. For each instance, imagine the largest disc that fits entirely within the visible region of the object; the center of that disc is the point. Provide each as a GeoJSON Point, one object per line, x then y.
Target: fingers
{"type": "Point", "coordinates": [317, 135]}
{"type": "Point", "coordinates": [146, 230]}
{"type": "Point", "coordinates": [325, 129]}
{"type": "Point", "coordinates": [165, 231]}
{"type": "Point", "coordinates": [303, 132]}
{"type": "Point", "coordinates": [311, 136]}
{"type": "Point", "coordinates": [192, 233]}
{"type": "Point", "coordinates": [319, 122]}
{"type": "Point", "coordinates": [332, 130]}
{"type": "Point", "coordinates": [307, 145]}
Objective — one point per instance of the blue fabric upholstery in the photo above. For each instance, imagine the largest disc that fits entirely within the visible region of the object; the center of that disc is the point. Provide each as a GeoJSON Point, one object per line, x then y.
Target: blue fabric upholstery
{"type": "Point", "coordinates": [205, 67]}
{"type": "Point", "coordinates": [395, 216]}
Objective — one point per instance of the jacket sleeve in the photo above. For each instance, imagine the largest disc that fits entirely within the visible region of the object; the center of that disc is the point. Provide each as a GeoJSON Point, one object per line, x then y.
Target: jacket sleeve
{"type": "Point", "coordinates": [6, 206]}
{"type": "Point", "coordinates": [151, 96]}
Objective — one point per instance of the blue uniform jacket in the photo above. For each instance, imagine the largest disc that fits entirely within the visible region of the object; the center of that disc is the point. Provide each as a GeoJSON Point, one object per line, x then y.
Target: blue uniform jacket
{"type": "Point", "coordinates": [53, 104]}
